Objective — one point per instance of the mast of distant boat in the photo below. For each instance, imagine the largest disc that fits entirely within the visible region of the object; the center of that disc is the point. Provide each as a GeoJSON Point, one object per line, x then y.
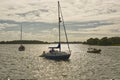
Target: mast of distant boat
{"type": "Point", "coordinates": [21, 34]}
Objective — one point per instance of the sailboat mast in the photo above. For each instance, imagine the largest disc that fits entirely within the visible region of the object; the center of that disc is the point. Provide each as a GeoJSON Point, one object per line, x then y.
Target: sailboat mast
{"type": "Point", "coordinates": [59, 20]}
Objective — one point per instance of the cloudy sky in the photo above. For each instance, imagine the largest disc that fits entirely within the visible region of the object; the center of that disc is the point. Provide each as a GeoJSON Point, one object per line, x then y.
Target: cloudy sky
{"type": "Point", "coordinates": [83, 19]}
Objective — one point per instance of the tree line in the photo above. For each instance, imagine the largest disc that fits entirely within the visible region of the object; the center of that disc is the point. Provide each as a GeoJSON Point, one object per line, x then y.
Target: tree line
{"type": "Point", "coordinates": [103, 41]}
{"type": "Point", "coordinates": [23, 42]}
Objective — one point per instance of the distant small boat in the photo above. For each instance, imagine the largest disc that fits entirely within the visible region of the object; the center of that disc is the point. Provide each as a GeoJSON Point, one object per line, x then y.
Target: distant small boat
{"type": "Point", "coordinates": [58, 54]}
{"type": "Point", "coordinates": [93, 50]}
{"type": "Point", "coordinates": [21, 48]}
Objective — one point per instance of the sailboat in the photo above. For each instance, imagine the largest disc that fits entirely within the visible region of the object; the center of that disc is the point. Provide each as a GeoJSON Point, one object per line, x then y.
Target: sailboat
{"type": "Point", "coordinates": [56, 53]}
{"type": "Point", "coordinates": [21, 48]}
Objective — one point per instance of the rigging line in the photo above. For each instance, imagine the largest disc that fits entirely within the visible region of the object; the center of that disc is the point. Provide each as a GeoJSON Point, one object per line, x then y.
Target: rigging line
{"type": "Point", "coordinates": [65, 30]}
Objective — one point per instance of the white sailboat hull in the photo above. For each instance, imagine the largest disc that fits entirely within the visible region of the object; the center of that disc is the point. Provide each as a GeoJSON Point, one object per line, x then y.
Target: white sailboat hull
{"type": "Point", "coordinates": [56, 55]}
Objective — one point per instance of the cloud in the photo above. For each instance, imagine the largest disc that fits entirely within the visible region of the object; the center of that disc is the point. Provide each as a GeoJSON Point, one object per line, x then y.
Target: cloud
{"type": "Point", "coordinates": [46, 10]}
{"type": "Point", "coordinates": [9, 35]}
{"type": "Point", "coordinates": [42, 36]}
{"type": "Point", "coordinates": [83, 19]}
{"type": "Point", "coordinates": [101, 31]}
{"type": "Point", "coordinates": [6, 25]}
{"type": "Point", "coordinates": [77, 31]}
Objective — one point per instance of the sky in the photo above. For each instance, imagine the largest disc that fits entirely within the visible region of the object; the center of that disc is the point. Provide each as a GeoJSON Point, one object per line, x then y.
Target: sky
{"type": "Point", "coordinates": [83, 19]}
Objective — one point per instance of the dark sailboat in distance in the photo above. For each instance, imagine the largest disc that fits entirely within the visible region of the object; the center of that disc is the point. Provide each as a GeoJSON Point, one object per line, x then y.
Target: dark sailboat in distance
{"type": "Point", "coordinates": [53, 53]}
{"type": "Point", "coordinates": [21, 48]}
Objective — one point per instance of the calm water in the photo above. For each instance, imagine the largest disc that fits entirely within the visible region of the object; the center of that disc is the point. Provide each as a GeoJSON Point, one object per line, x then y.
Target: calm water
{"type": "Point", "coordinates": [81, 66]}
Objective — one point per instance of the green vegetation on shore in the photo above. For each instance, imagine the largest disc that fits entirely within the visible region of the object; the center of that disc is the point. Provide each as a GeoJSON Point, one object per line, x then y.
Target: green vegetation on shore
{"type": "Point", "coordinates": [105, 41]}
{"type": "Point", "coordinates": [23, 42]}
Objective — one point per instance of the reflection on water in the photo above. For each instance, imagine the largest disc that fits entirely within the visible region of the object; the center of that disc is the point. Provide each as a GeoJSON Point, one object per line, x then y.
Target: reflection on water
{"type": "Point", "coordinates": [81, 66]}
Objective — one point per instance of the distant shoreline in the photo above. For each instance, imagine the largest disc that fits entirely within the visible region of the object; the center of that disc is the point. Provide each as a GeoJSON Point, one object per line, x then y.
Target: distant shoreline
{"type": "Point", "coordinates": [23, 42]}
{"type": "Point", "coordinates": [34, 42]}
{"type": "Point", "coordinates": [103, 45]}
{"type": "Point", "coordinates": [105, 41]}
